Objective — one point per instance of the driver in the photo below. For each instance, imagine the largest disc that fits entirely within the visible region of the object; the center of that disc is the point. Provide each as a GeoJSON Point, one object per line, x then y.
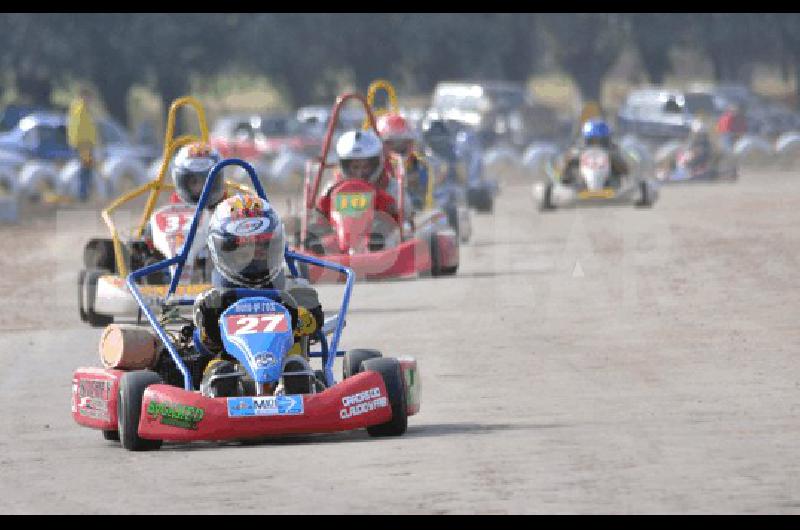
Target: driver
{"type": "Point", "coordinates": [594, 133]}
{"type": "Point", "coordinates": [399, 139]}
{"type": "Point", "coordinates": [699, 144]}
{"type": "Point", "coordinates": [246, 242]}
{"type": "Point", "coordinates": [361, 157]}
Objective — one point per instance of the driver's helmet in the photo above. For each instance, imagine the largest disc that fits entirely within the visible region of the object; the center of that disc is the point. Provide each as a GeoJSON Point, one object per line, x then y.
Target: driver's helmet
{"type": "Point", "coordinates": [440, 138]}
{"type": "Point", "coordinates": [596, 133]}
{"type": "Point", "coordinates": [396, 133]}
{"type": "Point", "coordinates": [190, 169]}
{"type": "Point", "coordinates": [360, 155]}
{"type": "Point", "coordinates": [246, 241]}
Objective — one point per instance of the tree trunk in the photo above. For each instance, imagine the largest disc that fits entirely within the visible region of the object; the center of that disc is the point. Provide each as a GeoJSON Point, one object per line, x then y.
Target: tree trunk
{"type": "Point", "coordinates": [35, 87]}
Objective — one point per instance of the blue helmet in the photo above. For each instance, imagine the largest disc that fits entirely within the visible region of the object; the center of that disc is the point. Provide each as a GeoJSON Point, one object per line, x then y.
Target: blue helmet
{"type": "Point", "coordinates": [596, 130]}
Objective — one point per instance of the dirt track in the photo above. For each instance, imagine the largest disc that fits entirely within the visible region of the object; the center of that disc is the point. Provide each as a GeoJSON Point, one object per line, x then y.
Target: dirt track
{"type": "Point", "coordinates": [594, 361]}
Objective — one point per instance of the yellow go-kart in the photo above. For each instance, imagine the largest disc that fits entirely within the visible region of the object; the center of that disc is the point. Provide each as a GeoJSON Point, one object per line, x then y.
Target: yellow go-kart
{"type": "Point", "coordinates": [160, 234]}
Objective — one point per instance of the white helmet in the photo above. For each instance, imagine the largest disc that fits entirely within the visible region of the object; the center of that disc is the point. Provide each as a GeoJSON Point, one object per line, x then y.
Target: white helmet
{"type": "Point", "coordinates": [190, 170]}
{"type": "Point", "coordinates": [360, 145]}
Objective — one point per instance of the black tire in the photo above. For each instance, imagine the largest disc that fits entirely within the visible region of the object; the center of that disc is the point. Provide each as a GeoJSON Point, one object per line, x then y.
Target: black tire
{"type": "Point", "coordinates": [436, 267]}
{"type": "Point", "coordinates": [87, 290]}
{"type": "Point", "coordinates": [129, 407]}
{"type": "Point", "coordinates": [452, 219]}
{"type": "Point", "coordinates": [112, 436]}
{"type": "Point", "coordinates": [547, 198]}
{"type": "Point", "coordinates": [351, 363]}
{"type": "Point", "coordinates": [81, 309]}
{"type": "Point", "coordinates": [645, 200]}
{"type": "Point", "coordinates": [99, 254]}
{"type": "Point", "coordinates": [393, 379]}
{"type": "Point", "coordinates": [481, 199]}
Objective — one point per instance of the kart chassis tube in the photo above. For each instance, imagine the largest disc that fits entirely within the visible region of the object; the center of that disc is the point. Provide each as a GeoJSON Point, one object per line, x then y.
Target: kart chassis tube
{"type": "Point", "coordinates": [291, 258]}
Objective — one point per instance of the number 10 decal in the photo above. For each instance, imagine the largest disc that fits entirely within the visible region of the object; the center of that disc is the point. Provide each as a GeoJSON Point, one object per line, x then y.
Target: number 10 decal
{"type": "Point", "coordinates": [264, 323]}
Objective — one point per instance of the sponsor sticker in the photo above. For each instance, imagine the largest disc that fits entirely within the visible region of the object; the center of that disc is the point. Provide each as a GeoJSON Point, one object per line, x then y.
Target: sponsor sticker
{"type": "Point", "coordinates": [265, 406]}
{"type": "Point", "coordinates": [362, 402]}
{"type": "Point", "coordinates": [175, 414]}
{"type": "Point", "coordinates": [92, 397]}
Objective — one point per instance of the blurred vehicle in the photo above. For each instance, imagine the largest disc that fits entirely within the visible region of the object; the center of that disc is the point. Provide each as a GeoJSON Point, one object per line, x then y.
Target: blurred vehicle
{"type": "Point", "coordinates": [698, 158]}
{"type": "Point", "coordinates": [459, 148]}
{"type": "Point", "coordinates": [11, 114]}
{"type": "Point", "coordinates": [501, 112]}
{"type": "Point", "coordinates": [662, 114]}
{"type": "Point", "coordinates": [46, 167]}
{"type": "Point", "coordinates": [277, 144]}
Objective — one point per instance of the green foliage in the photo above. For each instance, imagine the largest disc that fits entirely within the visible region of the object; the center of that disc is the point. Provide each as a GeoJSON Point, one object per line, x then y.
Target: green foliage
{"type": "Point", "coordinates": [310, 57]}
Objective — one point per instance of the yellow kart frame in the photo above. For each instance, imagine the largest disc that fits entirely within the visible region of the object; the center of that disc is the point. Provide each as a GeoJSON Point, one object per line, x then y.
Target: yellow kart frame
{"type": "Point", "coordinates": [157, 185]}
{"type": "Point", "coordinates": [391, 93]}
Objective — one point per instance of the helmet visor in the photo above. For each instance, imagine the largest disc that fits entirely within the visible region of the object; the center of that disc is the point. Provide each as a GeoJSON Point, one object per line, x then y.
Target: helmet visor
{"type": "Point", "coordinates": [361, 168]}
{"type": "Point", "coordinates": [250, 259]}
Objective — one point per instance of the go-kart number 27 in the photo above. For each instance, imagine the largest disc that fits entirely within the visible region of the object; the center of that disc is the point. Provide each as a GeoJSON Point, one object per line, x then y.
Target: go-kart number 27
{"type": "Point", "coordinates": [264, 323]}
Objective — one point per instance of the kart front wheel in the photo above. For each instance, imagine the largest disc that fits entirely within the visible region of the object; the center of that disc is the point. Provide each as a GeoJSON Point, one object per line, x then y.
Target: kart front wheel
{"type": "Point", "coordinates": [481, 199]}
{"type": "Point", "coordinates": [351, 363]}
{"type": "Point", "coordinates": [392, 375]}
{"type": "Point", "coordinates": [87, 293]}
{"type": "Point", "coordinates": [129, 408]}
{"type": "Point", "coordinates": [546, 204]}
{"type": "Point", "coordinates": [112, 436]}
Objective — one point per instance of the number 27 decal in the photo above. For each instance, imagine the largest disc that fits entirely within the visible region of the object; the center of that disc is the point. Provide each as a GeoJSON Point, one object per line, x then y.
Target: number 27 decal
{"type": "Point", "coordinates": [263, 323]}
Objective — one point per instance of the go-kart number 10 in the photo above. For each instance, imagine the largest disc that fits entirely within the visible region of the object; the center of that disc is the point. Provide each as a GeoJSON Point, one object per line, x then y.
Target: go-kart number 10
{"type": "Point", "coordinates": [264, 323]}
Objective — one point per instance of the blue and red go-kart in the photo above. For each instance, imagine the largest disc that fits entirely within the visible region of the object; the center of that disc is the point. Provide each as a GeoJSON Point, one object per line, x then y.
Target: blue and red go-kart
{"type": "Point", "coordinates": [155, 394]}
{"type": "Point", "coordinates": [363, 238]}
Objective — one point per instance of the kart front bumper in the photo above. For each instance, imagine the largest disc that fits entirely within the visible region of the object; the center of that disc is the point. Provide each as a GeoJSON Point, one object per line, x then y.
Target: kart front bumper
{"type": "Point", "coordinates": [407, 260]}
{"type": "Point", "coordinates": [174, 414]}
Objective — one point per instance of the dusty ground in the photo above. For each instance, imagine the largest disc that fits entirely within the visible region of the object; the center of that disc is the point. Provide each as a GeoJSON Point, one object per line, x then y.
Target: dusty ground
{"type": "Point", "coordinates": [595, 361]}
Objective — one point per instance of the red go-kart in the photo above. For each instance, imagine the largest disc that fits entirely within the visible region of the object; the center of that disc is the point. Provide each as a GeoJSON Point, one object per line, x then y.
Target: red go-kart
{"type": "Point", "coordinates": [358, 235]}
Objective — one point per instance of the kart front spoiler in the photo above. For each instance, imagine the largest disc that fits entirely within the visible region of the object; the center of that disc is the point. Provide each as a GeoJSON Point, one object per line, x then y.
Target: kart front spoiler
{"type": "Point", "coordinates": [566, 196]}
{"type": "Point", "coordinates": [408, 259]}
{"type": "Point", "coordinates": [172, 413]}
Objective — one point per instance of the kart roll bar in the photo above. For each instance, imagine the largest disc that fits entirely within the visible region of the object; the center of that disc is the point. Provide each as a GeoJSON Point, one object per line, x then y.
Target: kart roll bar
{"type": "Point", "coordinates": [391, 94]}
{"type": "Point", "coordinates": [311, 194]}
{"type": "Point", "coordinates": [328, 353]}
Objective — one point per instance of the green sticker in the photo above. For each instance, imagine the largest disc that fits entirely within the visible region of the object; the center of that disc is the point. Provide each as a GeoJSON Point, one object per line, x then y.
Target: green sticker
{"type": "Point", "coordinates": [177, 415]}
{"type": "Point", "coordinates": [353, 204]}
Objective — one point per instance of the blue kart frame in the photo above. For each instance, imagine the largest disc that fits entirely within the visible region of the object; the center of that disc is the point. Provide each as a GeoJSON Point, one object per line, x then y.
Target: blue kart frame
{"type": "Point", "coordinates": [328, 352]}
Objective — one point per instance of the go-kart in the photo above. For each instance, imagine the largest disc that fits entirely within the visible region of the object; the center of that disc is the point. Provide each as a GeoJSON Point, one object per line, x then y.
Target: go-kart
{"type": "Point", "coordinates": [441, 190]}
{"type": "Point", "coordinates": [102, 292]}
{"type": "Point", "coordinates": [685, 165]}
{"type": "Point", "coordinates": [358, 235]}
{"type": "Point", "coordinates": [149, 393]}
{"type": "Point", "coordinates": [593, 185]}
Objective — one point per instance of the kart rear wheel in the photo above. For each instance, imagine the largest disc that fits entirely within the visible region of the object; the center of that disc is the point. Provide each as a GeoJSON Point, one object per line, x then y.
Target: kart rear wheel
{"type": "Point", "coordinates": [351, 363]}
{"type": "Point", "coordinates": [547, 198]}
{"type": "Point", "coordinates": [481, 199]}
{"type": "Point", "coordinates": [112, 436]}
{"type": "Point", "coordinates": [436, 267]}
{"type": "Point", "coordinates": [645, 200]}
{"type": "Point", "coordinates": [129, 408]}
{"type": "Point", "coordinates": [392, 375]}
{"type": "Point", "coordinates": [87, 291]}
{"type": "Point", "coordinates": [99, 254]}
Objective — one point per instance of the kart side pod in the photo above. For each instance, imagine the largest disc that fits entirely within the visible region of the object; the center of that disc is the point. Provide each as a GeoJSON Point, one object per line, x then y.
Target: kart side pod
{"type": "Point", "coordinates": [128, 347]}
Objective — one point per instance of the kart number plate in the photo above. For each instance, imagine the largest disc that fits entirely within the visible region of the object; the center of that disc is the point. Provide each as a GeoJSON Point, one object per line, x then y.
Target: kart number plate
{"type": "Point", "coordinates": [353, 204]}
{"type": "Point", "coordinates": [170, 222]}
{"type": "Point", "coordinates": [259, 323]}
